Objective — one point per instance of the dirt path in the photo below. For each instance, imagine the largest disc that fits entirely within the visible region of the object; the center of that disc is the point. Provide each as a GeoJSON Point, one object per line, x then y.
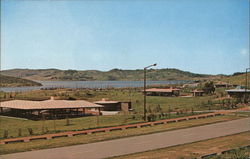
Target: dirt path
{"type": "Point", "coordinates": [137, 144]}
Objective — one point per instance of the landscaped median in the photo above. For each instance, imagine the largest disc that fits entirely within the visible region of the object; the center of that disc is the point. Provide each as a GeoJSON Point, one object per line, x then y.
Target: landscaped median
{"type": "Point", "coordinates": [108, 129]}
{"type": "Point", "coordinates": [102, 136]}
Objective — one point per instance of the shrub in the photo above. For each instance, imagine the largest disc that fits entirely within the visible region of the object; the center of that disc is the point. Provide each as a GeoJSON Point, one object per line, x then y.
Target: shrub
{"type": "Point", "coordinates": [19, 132]}
{"type": "Point", "coordinates": [67, 121]}
{"type": "Point", "coordinates": [151, 117]}
{"type": "Point", "coordinates": [5, 133]}
{"type": "Point", "coordinates": [46, 130]}
{"type": "Point", "coordinates": [30, 130]}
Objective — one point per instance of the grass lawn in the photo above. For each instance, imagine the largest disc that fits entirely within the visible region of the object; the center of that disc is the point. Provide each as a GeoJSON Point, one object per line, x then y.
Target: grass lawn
{"type": "Point", "coordinates": [197, 149]}
{"type": "Point", "coordinates": [66, 141]}
{"type": "Point", "coordinates": [16, 127]}
{"type": "Point", "coordinates": [51, 126]}
{"type": "Point", "coordinates": [236, 154]}
{"type": "Point", "coordinates": [242, 113]}
{"type": "Point", "coordinates": [236, 79]}
{"type": "Point", "coordinates": [134, 95]}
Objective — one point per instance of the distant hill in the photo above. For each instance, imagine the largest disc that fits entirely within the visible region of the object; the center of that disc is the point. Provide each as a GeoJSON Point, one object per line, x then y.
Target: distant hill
{"type": "Point", "coordinates": [7, 81]}
{"type": "Point", "coordinates": [236, 78]}
{"type": "Point", "coordinates": [92, 75]}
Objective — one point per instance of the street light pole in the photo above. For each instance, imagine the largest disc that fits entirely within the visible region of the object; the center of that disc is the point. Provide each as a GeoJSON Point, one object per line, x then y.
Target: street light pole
{"type": "Point", "coordinates": [144, 116]}
{"type": "Point", "coordinates": [246, 87]}
{"type": "Point", "coordinates": [145, 94]}
{"type": "Point", "coordinates": [247, 69]}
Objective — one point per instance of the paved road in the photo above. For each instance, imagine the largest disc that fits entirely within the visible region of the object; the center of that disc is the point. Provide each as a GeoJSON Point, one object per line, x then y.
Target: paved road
{"type": "Point", "coordinates": [137, 144]}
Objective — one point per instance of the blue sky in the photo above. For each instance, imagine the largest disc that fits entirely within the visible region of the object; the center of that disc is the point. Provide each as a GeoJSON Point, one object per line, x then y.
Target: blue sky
{"type": "Point", "coordinates": [201, 36]}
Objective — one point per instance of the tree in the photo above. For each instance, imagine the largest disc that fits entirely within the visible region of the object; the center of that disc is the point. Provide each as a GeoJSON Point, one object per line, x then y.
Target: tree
{"type": "Point", "coordinates": [209, 104]}
{"type": "Point", "coordinates": [158, 109]}
{"type": "Point", "coordinates": [209, 88]}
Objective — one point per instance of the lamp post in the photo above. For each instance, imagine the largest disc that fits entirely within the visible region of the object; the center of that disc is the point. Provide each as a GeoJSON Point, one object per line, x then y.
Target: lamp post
{"type": "Point", "coordinates": [246, 87]}
{"type": "Point", "coordinates": [247, 69]}
{"type": "Point", "coordinates": [145, 70]}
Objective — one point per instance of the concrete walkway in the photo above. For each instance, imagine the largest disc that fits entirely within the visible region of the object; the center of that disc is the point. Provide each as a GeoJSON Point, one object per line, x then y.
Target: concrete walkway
{"type": "Point", "coordinates": [137, 144]}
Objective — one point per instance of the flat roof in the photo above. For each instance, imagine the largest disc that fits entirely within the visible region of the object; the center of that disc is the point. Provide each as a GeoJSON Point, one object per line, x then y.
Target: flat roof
{"type": "Point", "coordinates": [48, 104]}
{"type": "Point", "coordinates": [198, 91]}
{"type": "Point", "coordinates": [162, 90]}
{"type": "Point", "coordinates": [106, 102]}
{"type": "Point", "coordinates": [238, 90]}
{"type": "Point", "coordinates": [221, 83]}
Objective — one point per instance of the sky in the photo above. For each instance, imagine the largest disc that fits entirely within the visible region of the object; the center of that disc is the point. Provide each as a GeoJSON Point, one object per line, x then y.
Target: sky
{"type": "Point", "coordinates": [200, 36]}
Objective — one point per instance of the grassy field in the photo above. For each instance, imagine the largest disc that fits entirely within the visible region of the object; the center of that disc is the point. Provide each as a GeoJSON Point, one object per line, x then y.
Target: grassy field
{"type": "Point", "coordinates": [198, 149]}
{"type": "Point", "coordinates": [13, 125]}
{"type": "Point", "coordinates": [236, 154]}
{"type": "Point", "coordinates": [59, 142]}
{"type": "Point", "coordinates": [18, 127]}
{"type": "Point", "coordinates": [236, 79]}
{"type": "Point", "coordinates": [8, 81]}
{"type": "Point", "coordinates": [133, 95]}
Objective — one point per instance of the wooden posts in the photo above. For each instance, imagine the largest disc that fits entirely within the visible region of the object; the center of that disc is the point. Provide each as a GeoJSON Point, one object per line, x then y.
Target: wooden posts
{"type": "Point", "coordinates": [99, 111]}
{"type": "Point", "coordinates": [84, 111]}
{"type": "Point", "coordinates": [54, 120]}
{"type": "Point", "coordinates": [77, 111]}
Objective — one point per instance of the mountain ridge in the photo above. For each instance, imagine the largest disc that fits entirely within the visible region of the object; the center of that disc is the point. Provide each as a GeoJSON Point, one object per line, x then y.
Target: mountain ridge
{"type": "Point", "coordinates": [53, 74]}
{"type": "Point", "coordinates": [9, 81]}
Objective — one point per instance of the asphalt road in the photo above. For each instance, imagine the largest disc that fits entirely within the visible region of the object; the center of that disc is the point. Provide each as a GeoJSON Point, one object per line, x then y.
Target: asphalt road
{"type": "Point", "coordinates": [137, 144]}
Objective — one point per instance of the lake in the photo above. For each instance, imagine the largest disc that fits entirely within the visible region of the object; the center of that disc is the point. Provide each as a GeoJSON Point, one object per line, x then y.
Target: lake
{"type": "Point", "coordinates": [90, 84]}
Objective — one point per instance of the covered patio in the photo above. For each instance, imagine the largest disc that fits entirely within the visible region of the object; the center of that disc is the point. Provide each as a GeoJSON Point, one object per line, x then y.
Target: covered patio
{"type": "Point", "coordinates": [49, 109]}
{"type": "Point", "coordinates": [239, 93]}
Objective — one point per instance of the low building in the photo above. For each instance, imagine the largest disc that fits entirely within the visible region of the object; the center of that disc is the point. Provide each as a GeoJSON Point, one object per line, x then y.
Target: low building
{"type": "Point", "coordinates": [222, 85]}
{"type": "Point", "coordinates": [114, 105]}
{"type": "Point", "coordinates": [191, 85]}
{"type": "Point", "coordinates": [49, 108]}
{"type": "Point", "coordinates": [163, 92]}
{"type": "Point", "coordinates": [197, 93]}
{"type": "Point", "coordinates": [239, 93]}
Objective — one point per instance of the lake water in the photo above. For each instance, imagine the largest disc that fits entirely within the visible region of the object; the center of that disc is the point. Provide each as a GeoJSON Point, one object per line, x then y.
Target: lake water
{"type": "Point", "coordinates": [90, 84]}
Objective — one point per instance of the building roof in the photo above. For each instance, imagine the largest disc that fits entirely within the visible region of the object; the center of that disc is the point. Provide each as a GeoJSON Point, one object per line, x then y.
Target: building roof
{"type": "Point", "coordinates": [162, 90]}
{"type": "Point", "coordinates": [198, 91]}
{"type": "Point", "coordinates": [221, 83]}
{"type": "Point", "coordinates": [106, 102]}
{"type": "Point", "coordinates": [238, 90]}
{"type": "Point", "coordinates": [191, 85]}
{"type": "Point", "coordinates": [48, 104]}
